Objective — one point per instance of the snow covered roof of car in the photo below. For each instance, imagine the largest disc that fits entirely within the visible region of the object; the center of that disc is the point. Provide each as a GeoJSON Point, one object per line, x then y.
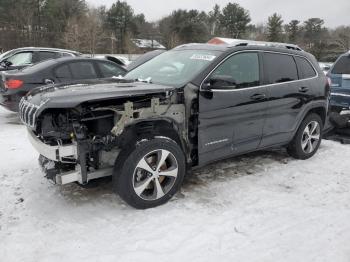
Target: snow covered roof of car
{"type": "Point", "coordinates": [147, 43]}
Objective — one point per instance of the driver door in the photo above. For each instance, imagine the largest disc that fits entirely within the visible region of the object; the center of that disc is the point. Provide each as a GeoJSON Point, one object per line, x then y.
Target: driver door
{"type": "Point", "coordinates": [232, 108]}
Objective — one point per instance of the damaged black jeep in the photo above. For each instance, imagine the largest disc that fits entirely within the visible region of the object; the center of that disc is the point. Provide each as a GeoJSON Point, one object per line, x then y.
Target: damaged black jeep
{"type": "Point", "coordinates": [188, 107]}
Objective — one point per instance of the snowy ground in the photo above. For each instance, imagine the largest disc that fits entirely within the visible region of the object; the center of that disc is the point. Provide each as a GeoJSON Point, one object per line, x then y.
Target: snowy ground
{"type": "Point", "coordinates": [261, 207]}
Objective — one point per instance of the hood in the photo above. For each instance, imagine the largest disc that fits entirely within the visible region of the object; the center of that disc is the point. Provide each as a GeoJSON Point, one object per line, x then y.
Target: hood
{"type": "Point", "coordinates": [70, 96]}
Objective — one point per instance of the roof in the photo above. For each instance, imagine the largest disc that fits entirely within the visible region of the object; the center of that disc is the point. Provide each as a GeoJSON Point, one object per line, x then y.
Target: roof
{"type": "Point", "coordinates": [242, 42]}
{"type": "Point", "coordinates": [196, 46]}
{"type": "Point", "coordinates": [233, 48]}
{"type": "Point", "coordinates": [147, 43]}
{"type": "Point", "coordinates": [45, 49]}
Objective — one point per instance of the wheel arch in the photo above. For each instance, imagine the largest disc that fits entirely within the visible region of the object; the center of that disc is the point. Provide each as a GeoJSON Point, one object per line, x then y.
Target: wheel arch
{"type": "Point", "coordinates": [149, 128]}
{"type": "Point", "coordinates": [319, 108]}
{"type": "Point", "coordinates": [321, 111]}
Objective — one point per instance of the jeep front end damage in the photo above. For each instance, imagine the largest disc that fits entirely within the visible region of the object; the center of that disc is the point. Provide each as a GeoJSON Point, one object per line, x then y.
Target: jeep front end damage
{"type": "Point", "coordinates": [81, 145]}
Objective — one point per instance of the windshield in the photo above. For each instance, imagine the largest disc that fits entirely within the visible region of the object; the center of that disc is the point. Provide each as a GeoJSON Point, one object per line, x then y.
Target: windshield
{"type": "Point", "coordinates": [342, 66]}
{"type": "Point", "coordinates": [173, 68]}
{"type": "Point", "coordinates": [5, 55]}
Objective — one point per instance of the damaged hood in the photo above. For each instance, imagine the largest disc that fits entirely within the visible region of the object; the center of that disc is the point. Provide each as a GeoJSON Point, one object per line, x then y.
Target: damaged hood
{"type": "Point", "coordinates": [70, 96]}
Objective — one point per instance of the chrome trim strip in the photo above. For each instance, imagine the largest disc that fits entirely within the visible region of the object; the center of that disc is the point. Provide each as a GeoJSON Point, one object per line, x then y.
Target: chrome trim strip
{"type": "Point", "coordinates": [255, 87]}
{"type": "Point", "coordinates": [340, 94]}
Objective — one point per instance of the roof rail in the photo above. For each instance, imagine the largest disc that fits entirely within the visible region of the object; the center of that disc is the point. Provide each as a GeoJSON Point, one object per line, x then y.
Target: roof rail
{"type": "Point", "coordinates": [240, 42]}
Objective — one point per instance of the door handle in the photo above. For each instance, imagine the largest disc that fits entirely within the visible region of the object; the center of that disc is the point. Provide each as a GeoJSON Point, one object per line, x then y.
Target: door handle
{"type": "Point", "coordinates": [49, 81]}
{"type": "Point", "coordinates": [257, 97]}
{"type": "Point", "coordinates": [303, 89]}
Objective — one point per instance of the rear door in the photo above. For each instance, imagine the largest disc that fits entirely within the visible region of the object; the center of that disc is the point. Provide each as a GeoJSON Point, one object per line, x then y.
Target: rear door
{"type": "Point", "coordinates": [232, 108]}
{"type": "Point", "coordinates": [287, 93]}
{"type": "Point", "coordinates": [340, 78]}
{"type": "Point", "coordinates": [62, 74]}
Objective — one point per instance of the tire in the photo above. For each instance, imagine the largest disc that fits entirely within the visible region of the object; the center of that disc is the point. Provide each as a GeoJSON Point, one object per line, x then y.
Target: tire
{"type": "Point", "coordinates": [137, 180]}
{"type": "Point", "coordinates": [305, 143]}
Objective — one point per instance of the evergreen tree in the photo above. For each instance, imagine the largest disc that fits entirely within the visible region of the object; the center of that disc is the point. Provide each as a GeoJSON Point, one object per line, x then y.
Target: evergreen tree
{"type": "Point", "coordinates": [234, 20]}
{"type": "Point", "coordinates": [293, 31]}
{"type": "Point", "coordinates": [274, 28]}
{"type": "Point", "coordinates": [119, 19]}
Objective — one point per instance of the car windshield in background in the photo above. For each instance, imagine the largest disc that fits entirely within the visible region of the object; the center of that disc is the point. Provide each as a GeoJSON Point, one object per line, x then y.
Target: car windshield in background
{"type": "Point", "coordinates": [173, 68]}
{"type": "Point", "coordinates": [5, 55]}
{"type": "Point", "coordinates": [342, 66]}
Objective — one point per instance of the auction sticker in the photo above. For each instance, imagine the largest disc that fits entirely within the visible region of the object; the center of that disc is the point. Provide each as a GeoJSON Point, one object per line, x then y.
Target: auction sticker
{"type": "Point", "coordinates": [203, 57]}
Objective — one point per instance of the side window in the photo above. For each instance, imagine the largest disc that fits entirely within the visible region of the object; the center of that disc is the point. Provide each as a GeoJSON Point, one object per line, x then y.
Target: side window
{"type": "Point", "coordinates": [62, 73]}
{"type": "Point", "coordinates": [305, 68]}
{"type": "Point", "coordinates": [239, 71]}
{"type": "Point", "coordinates": [342, 66]}
{"type": "Point", "coordinates": [280, 68]}
{"type": "Point", "coordinates": [83, 70]}
{"type": "Point", "coordinates": [110, 70]}
{"type": "Point", "coordinates": [47, 55]}
{"type": "Point", "coordinates": [21, 59]}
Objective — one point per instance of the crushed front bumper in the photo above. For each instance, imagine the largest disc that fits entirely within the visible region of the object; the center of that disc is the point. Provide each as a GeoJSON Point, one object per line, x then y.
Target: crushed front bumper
{"type": "Point", "coordinates": [59, 153]}
{"type": "Point", "coordinates": [51, 155]}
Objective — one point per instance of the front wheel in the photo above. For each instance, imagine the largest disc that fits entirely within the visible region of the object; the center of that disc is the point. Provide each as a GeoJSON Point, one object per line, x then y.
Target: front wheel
{"type": "Point", "coordinates": [307, 139]}
{"type": "Point", "coordinates": [150, 173]}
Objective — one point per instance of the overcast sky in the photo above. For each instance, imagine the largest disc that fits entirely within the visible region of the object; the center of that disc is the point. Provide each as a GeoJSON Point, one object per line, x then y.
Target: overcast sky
{"type": "Point", "coordinates": [334, 12]}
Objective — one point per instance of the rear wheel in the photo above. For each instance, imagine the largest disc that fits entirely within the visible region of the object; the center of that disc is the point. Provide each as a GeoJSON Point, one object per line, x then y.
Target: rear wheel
{"type": "Point", "coordinates": [307, 139]}
{"type": "Point", "coordinates": [150, 173]}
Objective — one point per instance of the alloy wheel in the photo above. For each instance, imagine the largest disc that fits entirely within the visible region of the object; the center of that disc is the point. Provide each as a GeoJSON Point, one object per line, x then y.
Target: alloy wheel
{"type": "Point", "coordinates": [155, 175]}
{"type": "Point", "coordinates": [311, 137]}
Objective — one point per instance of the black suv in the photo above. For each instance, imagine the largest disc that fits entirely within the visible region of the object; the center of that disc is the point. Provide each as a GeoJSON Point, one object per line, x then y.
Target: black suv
{"type": "Point", "coordinates": [187, 107]}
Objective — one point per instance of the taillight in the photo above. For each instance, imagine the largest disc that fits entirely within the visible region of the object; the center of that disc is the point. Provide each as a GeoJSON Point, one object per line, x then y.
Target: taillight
{"type": "Point", "coordinates": [13, 84]}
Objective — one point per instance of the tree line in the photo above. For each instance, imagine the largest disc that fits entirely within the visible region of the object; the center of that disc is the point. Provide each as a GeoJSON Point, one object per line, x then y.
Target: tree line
{"type": "Point", "coordinates": [74, 25]}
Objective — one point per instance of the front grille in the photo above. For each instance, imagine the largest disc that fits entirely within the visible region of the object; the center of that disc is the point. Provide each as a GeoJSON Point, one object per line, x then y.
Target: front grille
{"type": "Point", "coordinates": [27, 112]}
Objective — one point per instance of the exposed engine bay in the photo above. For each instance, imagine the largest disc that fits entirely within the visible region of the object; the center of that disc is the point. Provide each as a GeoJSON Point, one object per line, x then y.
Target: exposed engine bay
{"type": "Point", "coordinates": [97, 132]}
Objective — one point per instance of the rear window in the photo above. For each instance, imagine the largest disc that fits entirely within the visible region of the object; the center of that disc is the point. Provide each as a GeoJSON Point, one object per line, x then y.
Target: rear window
{"type": "Point", "coordinates": [280, 68]}
{"type": "Point", "coordinates": [342, 66]}
{"type": "Point", "coordinates": [305, 68]}
{"type": "Point", "coordinates": [110, 70]}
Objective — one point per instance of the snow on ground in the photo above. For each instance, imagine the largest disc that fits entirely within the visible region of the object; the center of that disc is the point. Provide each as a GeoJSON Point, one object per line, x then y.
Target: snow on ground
{"type": "Point", "coordinates": [261, 207]}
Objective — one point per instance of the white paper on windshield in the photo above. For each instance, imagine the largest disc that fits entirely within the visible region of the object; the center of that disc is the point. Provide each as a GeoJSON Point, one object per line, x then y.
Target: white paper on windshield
{"type": "Point", "coordinates": [203, 57]}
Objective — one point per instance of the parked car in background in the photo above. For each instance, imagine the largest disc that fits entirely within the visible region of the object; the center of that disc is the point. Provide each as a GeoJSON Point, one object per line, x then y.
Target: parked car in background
{"type": "Point", "coordinates": [325, 67]}
{"type": "Point", "coordinates": [339, 76]}
{"type": "Point", "coordinates": [15, 84]}
{"type": "Point", "coordinates": [26, 56]}
{"type": "Point", "coordinates": [181, 110]}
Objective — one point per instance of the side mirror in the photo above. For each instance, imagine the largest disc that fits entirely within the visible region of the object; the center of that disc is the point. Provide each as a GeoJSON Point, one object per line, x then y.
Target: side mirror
{"type": "Point", "coordinates": [219, 82]}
